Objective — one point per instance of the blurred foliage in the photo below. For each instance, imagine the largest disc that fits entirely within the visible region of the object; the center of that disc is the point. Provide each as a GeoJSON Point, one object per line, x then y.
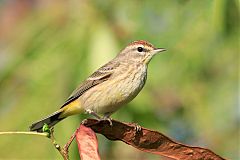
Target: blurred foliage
{"type": "Point", "coordinates": [48, 47]}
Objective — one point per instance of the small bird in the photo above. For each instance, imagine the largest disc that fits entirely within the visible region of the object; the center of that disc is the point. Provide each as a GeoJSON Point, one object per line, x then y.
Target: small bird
{"type": "Point", "coordinates": [114, 84]}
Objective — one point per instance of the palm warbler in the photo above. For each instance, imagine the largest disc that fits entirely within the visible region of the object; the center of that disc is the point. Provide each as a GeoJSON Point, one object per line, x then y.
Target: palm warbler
{"type": "Point", "coordinates": [110, 87]}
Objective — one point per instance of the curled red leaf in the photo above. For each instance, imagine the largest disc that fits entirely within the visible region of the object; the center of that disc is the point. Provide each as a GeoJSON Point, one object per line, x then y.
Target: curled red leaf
{"type": "Point", "coordinates": [87, 143]}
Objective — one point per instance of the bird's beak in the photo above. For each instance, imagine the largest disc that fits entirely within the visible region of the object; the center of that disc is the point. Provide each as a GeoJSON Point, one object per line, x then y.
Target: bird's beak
{"type": "Point", "coordinates": [153, 53]}
{"type": "Point", "coordinates": [157, 50]}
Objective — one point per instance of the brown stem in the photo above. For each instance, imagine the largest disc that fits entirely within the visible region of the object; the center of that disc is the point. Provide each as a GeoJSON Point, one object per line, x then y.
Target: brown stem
{"type": "Point", "coordinates": [58, 147]}
{"type": "Point", "coordinates": [67, 145]}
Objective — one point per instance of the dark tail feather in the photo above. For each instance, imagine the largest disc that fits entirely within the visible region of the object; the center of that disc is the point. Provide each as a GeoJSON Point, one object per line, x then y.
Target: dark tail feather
{"type": "Point", "coordinates": [51, 120]}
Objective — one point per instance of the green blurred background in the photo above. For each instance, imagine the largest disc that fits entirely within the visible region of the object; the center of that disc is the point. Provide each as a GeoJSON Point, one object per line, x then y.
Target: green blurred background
{"type": "Point", "coordinates": [48, 47]}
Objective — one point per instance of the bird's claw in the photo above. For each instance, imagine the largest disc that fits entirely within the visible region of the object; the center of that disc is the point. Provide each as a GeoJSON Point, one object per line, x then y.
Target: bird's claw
{"type": "Point", "coordinates": [107, 119]}
{"type": "Point", "coordinates": [84, 121]}
{"type": "Point", "coordinates": [137, 127]}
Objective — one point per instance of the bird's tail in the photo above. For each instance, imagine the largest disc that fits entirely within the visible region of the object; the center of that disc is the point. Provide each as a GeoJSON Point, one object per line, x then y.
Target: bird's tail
{"type": "Point", "coordinates": [50, 120]}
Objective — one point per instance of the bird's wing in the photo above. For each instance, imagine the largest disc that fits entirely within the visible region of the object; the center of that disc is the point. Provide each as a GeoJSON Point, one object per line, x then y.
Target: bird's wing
{"type": "Point", "coordinates": [101, 75]}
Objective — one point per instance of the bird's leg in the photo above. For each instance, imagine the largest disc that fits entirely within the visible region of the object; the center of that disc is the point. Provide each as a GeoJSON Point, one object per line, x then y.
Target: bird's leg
{"type": "Point", "coordinates": [107, 117]}
{"type": "Point", "coordinates": [89, 111]}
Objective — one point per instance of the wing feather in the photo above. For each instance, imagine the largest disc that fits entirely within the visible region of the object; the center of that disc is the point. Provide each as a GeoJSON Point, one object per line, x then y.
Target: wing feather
{"type": "Point", "coordinates": [101, 75]}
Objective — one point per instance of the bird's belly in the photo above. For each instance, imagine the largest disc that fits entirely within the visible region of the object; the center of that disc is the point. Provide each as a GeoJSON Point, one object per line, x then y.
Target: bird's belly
{"type": "Point", "coordinates": [113, 93]}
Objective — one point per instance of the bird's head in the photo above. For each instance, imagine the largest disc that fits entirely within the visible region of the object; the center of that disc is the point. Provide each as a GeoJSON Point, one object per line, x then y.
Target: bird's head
{"type": "Point", "coordinates": [140, 51]}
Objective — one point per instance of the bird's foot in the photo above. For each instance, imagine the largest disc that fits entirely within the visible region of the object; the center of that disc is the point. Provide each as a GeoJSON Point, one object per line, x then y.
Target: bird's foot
{"type": "Point", "coordinates": [106, 118]}
{"type": "Point", "coordinates": [89, 111]}
{"type": "Point", "coordinates": [137, 127]}
{"type": "Point", "coordinates": [84, 121]}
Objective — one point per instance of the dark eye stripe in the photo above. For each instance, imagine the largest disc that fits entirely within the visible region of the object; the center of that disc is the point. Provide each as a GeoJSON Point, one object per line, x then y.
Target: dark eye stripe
{"type": "Point", "coordinates": [141, 49]}
{"type": "Point", "coordinates": [144, 49]}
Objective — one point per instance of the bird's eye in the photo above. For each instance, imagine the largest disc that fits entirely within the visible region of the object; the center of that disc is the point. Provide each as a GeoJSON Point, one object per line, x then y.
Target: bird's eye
{"type": "Point", "coordinates": [140, 49]}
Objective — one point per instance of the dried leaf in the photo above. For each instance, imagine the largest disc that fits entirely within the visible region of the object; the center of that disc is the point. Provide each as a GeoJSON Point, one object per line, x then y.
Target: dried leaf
{"type": "Point", "coordinates": [150, 141]}
{"type": "Point", "coordinates": [87, 143]}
